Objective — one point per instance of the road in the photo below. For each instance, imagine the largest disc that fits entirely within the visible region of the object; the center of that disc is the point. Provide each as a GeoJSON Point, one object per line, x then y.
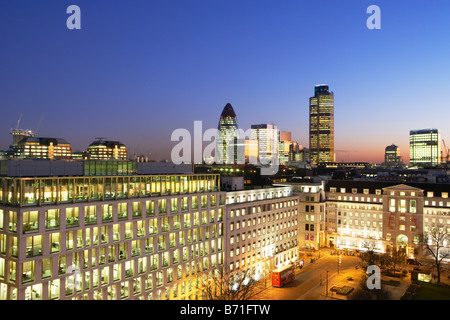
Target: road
{"type": "Point", "coordinates": [310, 283]}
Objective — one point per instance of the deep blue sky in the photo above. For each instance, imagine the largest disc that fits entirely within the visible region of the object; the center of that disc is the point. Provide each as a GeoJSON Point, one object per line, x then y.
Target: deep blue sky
{"type": "Point", "coordinates": [137, 70]}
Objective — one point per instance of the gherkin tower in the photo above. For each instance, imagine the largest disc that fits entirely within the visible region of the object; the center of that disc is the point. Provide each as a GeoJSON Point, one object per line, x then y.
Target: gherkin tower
{"type": "Point", "coordinates": [227, 139]}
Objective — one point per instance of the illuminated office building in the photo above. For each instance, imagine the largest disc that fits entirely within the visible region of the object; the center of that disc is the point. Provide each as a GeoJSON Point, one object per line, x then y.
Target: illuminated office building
{"type": "Point", "coordinates": [321, 125]}
{"type": "Point", "coordinates": [385, 216]}
{"type": "Point", "coordinates": [261, 229]}
{"type": "Point", "coordinates": [227, 141]}
{"type": "Point", "coordinates": [105, 150]}
{"type": "Point", "coordinates": [392, 156]}
{"type": "Point", "coordinates": [43, 148]}
{"type": "Point", "coordinates": [109, 237]}
{"type": "Point", "coordinates": [284, 146]}
{"type": "Point", "coordinates": [268, 138]}
{"type": "Point", "coordinates": [424, 147]}
{"type": "Point", "coordinates": [311, 215]}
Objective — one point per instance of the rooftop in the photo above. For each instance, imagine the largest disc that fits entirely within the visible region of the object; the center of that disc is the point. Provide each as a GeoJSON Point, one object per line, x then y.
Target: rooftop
{"type": "Point", "coordinates": [228, 111]}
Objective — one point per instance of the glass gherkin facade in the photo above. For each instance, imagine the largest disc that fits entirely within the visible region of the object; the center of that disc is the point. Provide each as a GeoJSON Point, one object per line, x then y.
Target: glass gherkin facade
{"type": "Point", "coordinates": [227, 140]}
{"type": "Point", "coordinates": [321, 125]}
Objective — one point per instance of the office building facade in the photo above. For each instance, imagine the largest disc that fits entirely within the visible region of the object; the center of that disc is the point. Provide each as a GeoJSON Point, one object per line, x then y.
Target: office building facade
{"type": "Point", "coordinates": [261, 230]}
{"type": "Point", "coordinates": [109, 238]}
{"type": "Point", "coordinates": [43, 148]}
{"type": "Point", "coordinates": [321, 125]}
{"type": "Point", "coordinates": [284, 146]}
{"type": "Point", "coordinates": [106, 150]}
{"type": "Point", "coordinates": [392, 157]}
{"type": "Point", "coordinates": [268, 137]}
{"type": "Point", "coordinates": [424, 147]}
{"type": "Point", "coordinates": [385, 216]}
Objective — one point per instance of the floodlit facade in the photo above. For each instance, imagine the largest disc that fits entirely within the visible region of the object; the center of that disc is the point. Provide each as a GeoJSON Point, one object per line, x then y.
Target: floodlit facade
{"type": "Point", "coordinates": [385, 216]}
{"type": "Point", "coordinates": [424, 147]}
{"type": "Point", "coordinates": [321, 125]}
{"type": "Point", "coordinates": [356, 217]}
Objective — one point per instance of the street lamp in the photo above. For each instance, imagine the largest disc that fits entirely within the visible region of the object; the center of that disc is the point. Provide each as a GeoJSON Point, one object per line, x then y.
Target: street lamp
{"type": "Point", "coordinates": [339, 263]}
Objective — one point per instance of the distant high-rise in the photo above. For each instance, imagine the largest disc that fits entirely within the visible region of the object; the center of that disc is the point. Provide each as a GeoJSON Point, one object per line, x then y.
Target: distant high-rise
{"type": "Point", "coordinates": [268, 138]}
{"type": "Point", "coordinates": [284, 147]}
{"type": "Point", "coordinates": [424, 147]}
{"type": "Point", "coordinates": [321, 125]}
{"type": "Point", "coordinates": [392, 156]}
{"type": "Point", "coordinates": [227, 140]}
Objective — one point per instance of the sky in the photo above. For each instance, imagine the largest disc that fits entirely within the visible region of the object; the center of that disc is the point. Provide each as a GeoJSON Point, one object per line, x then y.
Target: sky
{"type": "Point", "coordinates": [138, 70]}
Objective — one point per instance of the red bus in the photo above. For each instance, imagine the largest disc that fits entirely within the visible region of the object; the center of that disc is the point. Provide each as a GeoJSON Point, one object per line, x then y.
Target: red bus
{"type": "Point", "coordinates": [282, 275]}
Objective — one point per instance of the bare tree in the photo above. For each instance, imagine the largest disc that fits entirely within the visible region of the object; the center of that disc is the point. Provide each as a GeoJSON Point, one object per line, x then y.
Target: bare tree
{"type": "Point", "coordinates": [228, 285]}
{"type": "Point", "coordinates": [369, 257]}
{"type": "Point", "coordinates": [435, 244]}
{"type": "Point", "coordinates": [393, 258]}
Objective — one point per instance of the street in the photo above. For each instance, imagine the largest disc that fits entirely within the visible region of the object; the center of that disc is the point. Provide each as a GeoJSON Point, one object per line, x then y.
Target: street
{"type": "Point", "coordinates": [311, 283]}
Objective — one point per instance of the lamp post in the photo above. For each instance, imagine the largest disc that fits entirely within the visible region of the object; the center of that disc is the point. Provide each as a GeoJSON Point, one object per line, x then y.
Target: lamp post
{"type": "Point", "coordinates": [339, 263]}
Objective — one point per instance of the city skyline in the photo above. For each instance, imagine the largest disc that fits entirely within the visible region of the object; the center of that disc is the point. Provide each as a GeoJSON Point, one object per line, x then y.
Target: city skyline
{"type": "Point", "coordinates": [135, 74]}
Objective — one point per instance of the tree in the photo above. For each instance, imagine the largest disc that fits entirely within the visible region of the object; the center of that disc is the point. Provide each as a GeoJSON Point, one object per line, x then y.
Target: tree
{"type": "Point", "coordinates": [393, 258]}
{"type": "Point", "coordinates": [364, 293]}
{"type": "Point", "coordinates": [228, 285]}
{"type": "Point", "coordinates": [435, 244]}
{"type": "Point", "coordinates": [369, 257]}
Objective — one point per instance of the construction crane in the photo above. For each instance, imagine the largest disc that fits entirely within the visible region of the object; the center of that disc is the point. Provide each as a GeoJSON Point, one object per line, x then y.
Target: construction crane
{"type": "Point", "coordinates": [39, 125]}
{"type": "Point", "coordinates": [447, 153]}
{"type": "Point", "coordinates": [18, 122]}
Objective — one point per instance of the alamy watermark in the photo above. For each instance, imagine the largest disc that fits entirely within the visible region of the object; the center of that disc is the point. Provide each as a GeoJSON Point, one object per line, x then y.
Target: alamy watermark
{"type": "Point", "coordinates": [74, 20]}
{"type": "Point", "coordinates": [74, 280]}
{"type": "Point", "coordinates": [374, 279]}
{"type": "Point", "coordinates": [224, 147]}
{"type": "Point", "coordinates": [374, 20]}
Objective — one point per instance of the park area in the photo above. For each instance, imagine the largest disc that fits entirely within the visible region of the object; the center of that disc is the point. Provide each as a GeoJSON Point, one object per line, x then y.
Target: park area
{"type": "Point", "coordinates": [427, 291]}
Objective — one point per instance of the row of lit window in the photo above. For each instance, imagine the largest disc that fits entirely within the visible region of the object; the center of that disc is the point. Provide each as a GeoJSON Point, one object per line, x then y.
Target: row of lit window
{"type": "Point", "coordinates": [84, 238]}
{"type": "Point", "coordinates": [86, 281]}
{"type": "Point", "coordinates": [252, 259]}
{"type": "Point", "coordinates": [252, 235]}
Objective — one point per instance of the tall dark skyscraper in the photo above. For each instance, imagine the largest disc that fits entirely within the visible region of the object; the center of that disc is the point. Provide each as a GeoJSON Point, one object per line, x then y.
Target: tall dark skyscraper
{"type": "Point", "coordinates": [321, 125]}
{"type": "Point", "coordinates": [227, 139]}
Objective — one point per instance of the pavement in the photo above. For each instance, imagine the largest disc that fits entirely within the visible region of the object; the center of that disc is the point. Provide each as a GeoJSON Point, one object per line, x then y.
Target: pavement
{"type": "Point", "coordinates": [311, 283]}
